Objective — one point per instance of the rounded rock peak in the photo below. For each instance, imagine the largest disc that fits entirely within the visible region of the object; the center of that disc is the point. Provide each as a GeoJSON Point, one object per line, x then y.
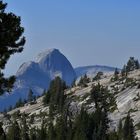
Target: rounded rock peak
{"type": "Point", "coordinates": [45, 54]}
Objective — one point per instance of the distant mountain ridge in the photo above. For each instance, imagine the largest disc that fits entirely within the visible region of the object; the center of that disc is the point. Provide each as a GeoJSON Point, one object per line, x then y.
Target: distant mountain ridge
{"type": "Point", "coordinates": [92, 70]}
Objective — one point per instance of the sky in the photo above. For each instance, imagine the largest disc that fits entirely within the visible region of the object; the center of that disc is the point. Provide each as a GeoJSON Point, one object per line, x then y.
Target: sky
{"type": "Point", "coordinates": [87, 32]}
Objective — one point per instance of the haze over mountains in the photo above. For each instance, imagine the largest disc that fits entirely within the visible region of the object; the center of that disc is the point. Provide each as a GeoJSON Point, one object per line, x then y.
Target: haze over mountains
{"type": "Point", "coordinates": [37, 74]}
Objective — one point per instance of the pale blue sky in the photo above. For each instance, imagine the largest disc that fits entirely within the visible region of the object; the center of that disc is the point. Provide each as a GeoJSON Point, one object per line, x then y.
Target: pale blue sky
{"type": "Point", "coordinates": [87, 32]}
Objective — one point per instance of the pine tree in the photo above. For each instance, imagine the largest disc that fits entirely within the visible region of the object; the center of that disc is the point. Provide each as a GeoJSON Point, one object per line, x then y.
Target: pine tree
{"type": "Point", "coordinates": [19, 103]}
{"type": "Point", "coordinates": [132, 64]}
{"type": "Point", "coordinates": [42, 133]}
{"type": "Point", "coordinates": [67, 118]}
{"type": "Point", "coordinates": [11, 42]}
{"type": "Point", "coordinates": [24, 128]}
{"type": "Point", "coordinates": [95, 94]}
{"type": "Point", "coordinates": [33, 134]}
{"type": "Point", "coordinates": [137, 64]}
{"type": "Point", "coordinates": [46, 99]}
{"type": "Point", "coordinates": [116, 73]}
{"type": "Point", "coordinates": [56, 99]}
{"type": "Point", "coordinates": [61, 128]}
{"type": "Point", "coordinates": [128, 129]}
{"type": "Point", "coordinates": [10, 108]}
{"type": "Point", "coordinates": [124, 71]}
{"type": "Point", "coordinates": [81, 126]}
{"type": "Point", "coordinates": [51, 132]}
{"type": "Point", "coordinates": [73, 83]}
{"type": "Point", "coordinates": [30, 96]}
{"type": "Point", "coordinates": [98, 76]}
{"type": "Point", "coordinates": [101, 96]}
{"type": "Point", "coordinates": [86, 79]}
{"type": "Point", "coordinates": [83, 81]}
{"type": "Point", "coordinates": [55, 95]}
{"type": "Point", "coordinates": [2, 133]}
{"type": "Point", "coordinates": [120, 130]}
{"type": "Point", "coordinates": [14, 132]}
{"type": "Point", "coordinates": [113, 135]}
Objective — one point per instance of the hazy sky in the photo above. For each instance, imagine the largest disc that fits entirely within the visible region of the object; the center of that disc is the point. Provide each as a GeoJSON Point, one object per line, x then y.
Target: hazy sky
{"type": "Point", "coordinates": [87, 32]}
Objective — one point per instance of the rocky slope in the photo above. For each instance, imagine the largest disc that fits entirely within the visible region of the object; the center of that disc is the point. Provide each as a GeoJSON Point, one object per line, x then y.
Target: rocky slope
{"type": "Point", "coordinates": [126, 93]}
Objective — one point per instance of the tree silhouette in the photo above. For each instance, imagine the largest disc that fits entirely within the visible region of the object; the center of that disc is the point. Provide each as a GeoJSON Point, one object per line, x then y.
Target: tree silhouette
{"type": "Point", "coordinates": [11, 42]}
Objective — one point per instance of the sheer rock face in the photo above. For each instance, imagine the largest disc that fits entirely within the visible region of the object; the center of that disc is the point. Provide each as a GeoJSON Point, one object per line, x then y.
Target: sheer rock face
{"type": "Point", "coordinates": [56, 64]}
{"type": "Point", "coordinates": [37, 74]}
{"type": "Point", "coordinates": [46, 67]}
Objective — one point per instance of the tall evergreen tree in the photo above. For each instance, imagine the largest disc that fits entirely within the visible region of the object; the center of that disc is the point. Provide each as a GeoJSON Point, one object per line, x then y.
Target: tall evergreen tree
{"type": "Point", "coordinates": [42, 133]}
{"type": "Point", "coordinates": [30, 96]}
{"type": "Point", "coordinates": [24, 128]}
{"type": "Point", "coordinates": [116, 73]}
{"type": "Point", "coordinates": [61, 128]}
{"type": "Point", "coordinates": [33, 134]}
{"type": "Point", "coordinates": [132, 64]}
{"type": "Point", "coordinates": [82, 126]}
{"type": "Point", "coordinates": [137, 64]}
{"type": "Point", "coordinates": [11, 42]}
{"type": "Point", "coordinates": [51, 132]}
{"type": "Point", "coordinates": [120, 130]}
{"type": "Point", "coordinates": [96, 94]}
{"type": "Point", "coordinates": [55, 95]}
{"type": "Point", "coordinates": [46, 99]}
{"type": "Point", "coordinates": [124, 71]}
{"type": "Point", "coordinates": [2, 133]}
{"type": "Point", "coordinates": [14, 132]}
{"type": "Point", "coordinates": [128, 129]}
{"type": "Point", "coordinates": [102, 98]}
{"type": "Point", "coordinates": [83, 81]}
{"type": "Point", "coordinates": [19, 103]}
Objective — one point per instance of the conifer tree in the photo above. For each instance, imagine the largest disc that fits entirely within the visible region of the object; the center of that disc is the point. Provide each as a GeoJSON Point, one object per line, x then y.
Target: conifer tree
{"type": "Point", "coordinates": [132, 64]}
{"type": "Point", "coordinates": [2, 133]}
{"type": "Point", "coordinates": [113, 135]}
{"type": "Point", "coordinates": [11, 42]}
{"type": "Point", "coordinates": [116, 73]}
{"type": "Point", "coordinates": [86, 79]}
{"type": "Point", "coordinates": [51, 132]}
{"type": "Point", "coordinates": [120, 130]}
{"type": "Point", "coordinates": [73, 83]}
{"type": "Point", "coordinates": [82, 126]}
{"type": "Point", "coordinates": [30, 96]}
{"type": "Point", "coordinates": [124, 71]}
{"type": "Point", "coordinates": [24, 128]}
{"type": "Point", "coordinates": [101, 96]}
{"type": "Point", "coordinates": [33, 134]}
{"type": "Point", "coordinates": [95, 94]}
{"type": "Point", "coordinates": [14, 132]}
{"type": "Point", "coordinates": [83, 81]}
{"type": "Point", "coordinates": [19, 103]}
{"type": "Point", "coordinates": [61, 128]}
{"type": "Point", "coordinates": [46, 99]}
{"type": "Point", "coordinates": [128, 129]}
{"type": "Point", "coordinates": [137, 64]}
{"type": "Point", "coordinates": [55, 95]}
{"type": "Point", "coordinates": [42, 133]}
{"type": "Point", "coordinates": [98, 76]}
